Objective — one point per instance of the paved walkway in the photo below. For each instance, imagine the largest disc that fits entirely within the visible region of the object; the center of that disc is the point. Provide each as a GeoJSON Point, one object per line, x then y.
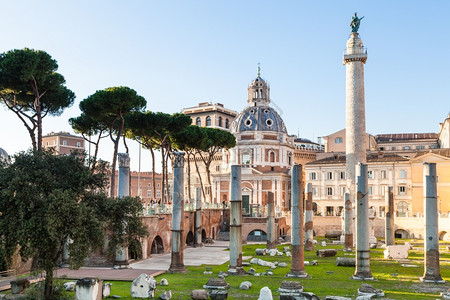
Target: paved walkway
{"type": "Point", "coordinates": [214, 254]}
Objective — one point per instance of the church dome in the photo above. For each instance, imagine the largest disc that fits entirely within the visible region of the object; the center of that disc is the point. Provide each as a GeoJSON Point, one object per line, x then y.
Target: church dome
{"type": "Point", "coordinates": [258, 118]}
{"type": "Point", "coordinates": [3, 154]}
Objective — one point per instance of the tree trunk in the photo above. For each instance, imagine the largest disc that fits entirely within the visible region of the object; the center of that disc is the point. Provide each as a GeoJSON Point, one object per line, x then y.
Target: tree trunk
{"type": "Point", "coordinates": [153, 173]}
{"type": "Point", "coordinates": [167, 176]}
{"type": "Point", "coordinates": [48, 288]}
{"type": "Point", "coordinates": [189, 174]}
{"type": "Point", "coordinates": [163, 166]}
{"type": "Point", "coordinates": [114, 161]}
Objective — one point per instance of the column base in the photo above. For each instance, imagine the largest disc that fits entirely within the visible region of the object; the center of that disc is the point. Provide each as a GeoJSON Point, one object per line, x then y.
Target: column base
{"type": "Point", "coordinates": [123, 264]}
{"type": "Point", "coordinates": [297, 274]}
{"type": "Point", "coordinates": [432, 279]}
{"type": "Point", "coordinates": [236, 271]}
{"type": "Point", "coordinates": [177, 269]}
{"type": "Point", "coordinates": [363, 278]}
{"type": "Point", "coordinates": [309, 246]}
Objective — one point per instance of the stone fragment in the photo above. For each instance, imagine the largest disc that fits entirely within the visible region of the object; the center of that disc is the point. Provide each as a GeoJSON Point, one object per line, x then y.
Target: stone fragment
{"type": "Point", "coordinates": [373, 246]}
{"type": "Point", "coordinates": [265, 263]}
{"type": "Point", "coordinates": [254, 260]}
{"type": "Point", "coordinates": [199, 295]}
{"type": "Point", "coordinates": [273, 252]}
{"type": "Point", "coordinates": [106, 289]}
{"type": "Point", "coordinates": [326, 252]}
{"type": "Point", "coordinates": [286, 249]}
{"type": "Point", "coordinates": [288, 253]}
{"type": "Point", "coordinates": [224, 274]}
{"type": "Point", "coordinates": [396, 252]}
{"type": "Point", "coordinates": [324, 244]}
{"type": "Point", "coordinates": [69, 286]}
{"type": "Point", "coordinates": [265, 294]}
{"type": "Point", "coordinates": [261, 251]}
{"type": "Point", "coordinates": [282, 264]}
{"type": "Point", "coordinates": [257, 274]}
{"type": "Point", "coordinates": [337, 298]}
{"type": "Point", "coordinates": [216, 283]}
{"type": "Point", "coordinates": [19, 285]}
{"type": "Point", "coordinates": [314, 263]}
{"type": "Point", "coordinates": [143, 286]}
{"type": "Point", "coordinates": [367, 290]}
{"type": "Point", "coordinates": [245, 285]}
{"type": "Point", "coordinates": [306, 263]}
{"type": "Point", "coordinates": [166, 295]}
{"type": "Point", "coordinates": [345, 261]}
{"type": "Point", "coordinates": [315, 242]}
{"type": "Point", "coordinates": [251, 271]}
{"type": "Point", "coordinates": [164, 282]}
{"type": "Point", "coordinates": [218, 294]}
{"type": "Point", "coordinates": [86, 289]}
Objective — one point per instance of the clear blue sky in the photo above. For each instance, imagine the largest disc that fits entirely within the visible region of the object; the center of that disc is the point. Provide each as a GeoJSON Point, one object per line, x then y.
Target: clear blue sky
{"type": "Point", "coordinates": [179, 53]}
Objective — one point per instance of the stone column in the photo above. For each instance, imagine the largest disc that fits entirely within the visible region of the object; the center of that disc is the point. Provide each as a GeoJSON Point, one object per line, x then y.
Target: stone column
{"type": "Point", "coordinates": [389, 219]}
{"type": "Point", "coordinates": [355, 120]}
{"type": "Point", "coordinates": [198, 218]}
{"type": "Point", "coordinates": [236, 222]}
{"type": "Point", "coordinates": [362, 271]}
{"type": "Point", "coordinates": [177, 258]}
{"type": "Point", "coordinates": [297, 259]}
{"type": "Point", "coordinates": [432, 271]}
{"type": "Point", "coordinates": [123, 191]}
{"type": "Point", "coordinates": [309, 228]}
{"type": "Point", "coordinates": [271, 230]}
{"type": "Point", "coordinates": [348, 221]}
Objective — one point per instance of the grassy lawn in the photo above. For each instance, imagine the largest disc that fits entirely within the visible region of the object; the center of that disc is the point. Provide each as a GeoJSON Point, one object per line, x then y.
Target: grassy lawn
{"type": "Point", "coordinates": [397, 281]}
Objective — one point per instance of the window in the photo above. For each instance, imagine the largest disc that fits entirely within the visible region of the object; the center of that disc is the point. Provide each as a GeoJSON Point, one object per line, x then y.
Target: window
{"type": "Point", "coordinates": [383, 174]}
{"type": "Point", "coordinates": [313, 176]}
{"type": "Point", "coordinates": [342, 175]}
{"type": "Point", "coordinates": [47, 143]}
{"type": "Point", "coordinates": [343, 190]}
{"type": "Point", "coordinates": [226, 123]}
{"type": "Point", "coordinates": [149, 193]}
{"type": "Point", "coordinates": [402, 173]}
{"type": "Point", "coordinates": [217, 168]}
{"type": "Point", "coordinates": [392, 148]}
{"type": "Point", "coordinates": [65, 143]}
{"type": "Point", "coordinates": [370, 174]}
{"type": "Point", "coordinates": [370, 190]}
{"type": "Point", "coordinates": [402, 190]}
{"type": "Point", "coordinates": [198, 121]}
{"type": "Point", "coordinates": [158, 194]}
{"type": "Point", "coordinates": [329, 175]}
{"type": "Point", "coordinates": [382, 190]}
{"type": "Point", "coordinates": [406, 148]}
{"type": "Point", "coordinates": [314, 191]}
{"type": "Point", "coordinates": [338, 140]}
{"type": "Point", "coordinates": [402, 209]}
{"type": "Point", "coordinates": [330, 210]}
{"type": "Point", "coordinates": [272, 156]}
{"type": "Point", "coordinates": [246, 159]}
{"type": "Point", "coordinates": [158, 185]}
{"type": "Point", "coordinates": [420, 147]}
{"type": "Point", "coordinates": [149, 184]}
{"type": "Point", "coordinates": [220, 121]}
{"type": "Point", "coordinates": [208, 121]}
{"type": "Point", "coordinates": [78, 144]}
{"type": "Point", "coordinates": [329, 191]}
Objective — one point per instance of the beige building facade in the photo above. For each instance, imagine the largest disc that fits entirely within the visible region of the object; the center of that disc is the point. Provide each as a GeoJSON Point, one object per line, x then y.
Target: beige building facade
{"type": "Point", "coordinates": [63, 142]}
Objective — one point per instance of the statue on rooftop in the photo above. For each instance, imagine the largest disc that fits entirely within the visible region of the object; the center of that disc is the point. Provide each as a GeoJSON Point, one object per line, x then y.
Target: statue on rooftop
{"type": "Point", "coordinates": [354, 24]}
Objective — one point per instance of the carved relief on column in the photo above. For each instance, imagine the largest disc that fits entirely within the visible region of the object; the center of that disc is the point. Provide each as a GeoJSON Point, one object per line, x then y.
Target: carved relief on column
{"type": "Point", "coordinates": [178, 160]}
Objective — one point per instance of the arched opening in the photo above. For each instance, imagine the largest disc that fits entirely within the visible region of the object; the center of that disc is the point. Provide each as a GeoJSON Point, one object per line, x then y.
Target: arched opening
{"type": "Point", "coordinates": [208, 121]}
{"type": "Point", "coordinates": [198, 121]}
{"type": "Point", "coordinates": [401, 234]}
{"type": "Point", "coordinates": [226, 123]}
{"type": "Point", "coordinates": [220, 121]}
{"type": "Point", "coordinates": [442, 235]}
{"type": "Point", "coordinates": [272, 157]}
{"type": "Point", "coordinates": [213, 235]}
{"type": "Point", "coordinates": [135, 250]}
{"type": "Point", "coordinates": [314, 207]}
{"type": "Point", "coordinates": [157, 246]}
{"type": "Point", "coordinates": [190, 239]}
{"type": "Point", "coordinates": [257, 235]}
{"type": "Point", "coordinates": [204, 237]}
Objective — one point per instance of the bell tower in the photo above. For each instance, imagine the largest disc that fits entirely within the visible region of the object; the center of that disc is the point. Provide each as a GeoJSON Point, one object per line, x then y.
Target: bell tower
{"type": "Point", "coordinates": [258, 91]}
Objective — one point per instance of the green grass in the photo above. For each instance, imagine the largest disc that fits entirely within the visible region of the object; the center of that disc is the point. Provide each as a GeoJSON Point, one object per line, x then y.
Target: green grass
{"type": "Point", "coordinates": [326, 278]}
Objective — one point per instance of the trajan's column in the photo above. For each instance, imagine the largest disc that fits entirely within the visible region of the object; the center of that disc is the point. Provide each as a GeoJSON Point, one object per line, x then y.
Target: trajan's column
{"type": "Point", "coordinates": [354, 59]}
